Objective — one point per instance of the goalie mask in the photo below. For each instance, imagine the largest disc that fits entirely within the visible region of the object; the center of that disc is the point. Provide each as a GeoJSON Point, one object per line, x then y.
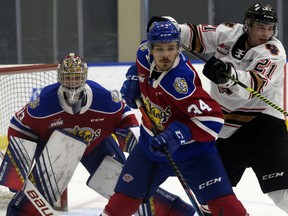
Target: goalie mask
{"type": "Point", "coordinates": [262, 14]}
{"type": "Point", "coordinates": [72, 75]}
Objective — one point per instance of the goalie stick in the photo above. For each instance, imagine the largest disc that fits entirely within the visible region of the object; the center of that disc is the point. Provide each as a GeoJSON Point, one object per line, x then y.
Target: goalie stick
{"type": "Point", "coordinates": [258, 95]}
{"type": "Point", "coordinates": [170, 159]}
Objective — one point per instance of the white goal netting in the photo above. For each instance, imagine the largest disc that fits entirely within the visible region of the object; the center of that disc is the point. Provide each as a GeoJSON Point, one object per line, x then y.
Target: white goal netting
{"type": "Point", "coordinates": [19, 85]}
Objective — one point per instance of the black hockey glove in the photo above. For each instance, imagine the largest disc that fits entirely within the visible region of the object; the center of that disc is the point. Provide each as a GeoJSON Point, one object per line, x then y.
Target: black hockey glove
{"type": "Point", "coordinates": [216, 70]}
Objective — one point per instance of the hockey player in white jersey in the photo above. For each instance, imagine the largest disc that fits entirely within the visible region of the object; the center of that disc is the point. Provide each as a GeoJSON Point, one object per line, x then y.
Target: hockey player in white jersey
{"type": "Point", "coordinates": [254, 134]}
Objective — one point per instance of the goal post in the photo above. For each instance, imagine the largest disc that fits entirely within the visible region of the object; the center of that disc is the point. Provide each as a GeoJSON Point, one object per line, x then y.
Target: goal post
{"type": "Point", "coordinates": [19, 85]}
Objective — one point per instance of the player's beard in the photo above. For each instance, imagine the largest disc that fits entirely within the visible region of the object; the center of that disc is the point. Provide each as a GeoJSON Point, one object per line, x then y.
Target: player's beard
{"type": "Point", "coordinates": [164, 65]}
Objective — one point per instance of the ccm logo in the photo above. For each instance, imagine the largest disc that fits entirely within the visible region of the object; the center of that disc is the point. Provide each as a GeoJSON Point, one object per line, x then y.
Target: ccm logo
{"type": "Point", "coordinates": [210, 182]}
{"type": "Point", "coordinates": [39, 202]}
{"type": "Point", "coordinates": [272, 175]}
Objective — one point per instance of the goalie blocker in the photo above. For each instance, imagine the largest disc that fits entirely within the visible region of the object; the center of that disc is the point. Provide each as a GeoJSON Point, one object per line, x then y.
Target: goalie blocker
{"type": "Point", "coordinates": [49, 177]}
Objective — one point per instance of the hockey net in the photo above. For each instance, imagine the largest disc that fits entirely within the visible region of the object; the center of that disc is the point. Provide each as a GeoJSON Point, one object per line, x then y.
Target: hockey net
{"type": "Point", "coordinates": [18, 86]}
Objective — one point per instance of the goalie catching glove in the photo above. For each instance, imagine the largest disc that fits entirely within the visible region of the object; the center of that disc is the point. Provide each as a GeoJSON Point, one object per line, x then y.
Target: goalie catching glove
{"type": "Point", "coordinates": [219, 72]}
{"type": "Point", "coordinates": [172, 137]}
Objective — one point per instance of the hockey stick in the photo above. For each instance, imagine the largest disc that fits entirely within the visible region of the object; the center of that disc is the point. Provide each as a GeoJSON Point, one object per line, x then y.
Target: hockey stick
{"type": "Point", "coordinates": [275, 106]}
{"type": "Point", "coordinates": [170, 159]}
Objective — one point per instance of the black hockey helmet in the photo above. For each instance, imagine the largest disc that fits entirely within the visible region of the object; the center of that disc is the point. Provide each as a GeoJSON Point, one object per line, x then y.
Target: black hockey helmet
{"type": "Point", "coordinates": [262, 14]}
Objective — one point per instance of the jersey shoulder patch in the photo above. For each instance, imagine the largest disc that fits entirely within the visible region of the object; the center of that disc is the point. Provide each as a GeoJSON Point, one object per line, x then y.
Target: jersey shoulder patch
{"type": "Point", "coordinates": [179, 82]}
{"type": "Point", "coordinates": [46, 103]}
{"type": "Point", "coordinates": [103, 99]}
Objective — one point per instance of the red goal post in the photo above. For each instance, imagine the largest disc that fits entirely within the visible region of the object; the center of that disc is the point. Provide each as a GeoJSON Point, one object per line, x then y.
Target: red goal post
{"type": "Point", "coordinates": [20, 84]}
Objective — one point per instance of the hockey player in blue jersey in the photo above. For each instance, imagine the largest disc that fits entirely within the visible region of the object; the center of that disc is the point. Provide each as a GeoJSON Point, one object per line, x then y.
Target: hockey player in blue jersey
{"type": "Point", "coordinates": [188, 121]}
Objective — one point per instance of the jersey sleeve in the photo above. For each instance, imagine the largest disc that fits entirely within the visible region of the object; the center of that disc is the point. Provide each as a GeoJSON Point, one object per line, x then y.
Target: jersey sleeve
{"type": "Point", "coordinates": [265, 71]}
{"type": "Point", "coordinates": [19, 125]}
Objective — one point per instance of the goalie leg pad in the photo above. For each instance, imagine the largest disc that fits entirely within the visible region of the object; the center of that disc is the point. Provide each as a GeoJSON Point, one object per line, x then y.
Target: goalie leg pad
{"type": "Point", "coordinates": [17, 163]}
{"type": "Point", "coordinates": [56, 165]}
{"type": "Point", "coordinates": [51, 173]}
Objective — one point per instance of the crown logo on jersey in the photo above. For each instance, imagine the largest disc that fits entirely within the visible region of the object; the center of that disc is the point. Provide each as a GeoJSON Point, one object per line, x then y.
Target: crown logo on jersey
{"type": "Point", "coordinates": [180, 85]}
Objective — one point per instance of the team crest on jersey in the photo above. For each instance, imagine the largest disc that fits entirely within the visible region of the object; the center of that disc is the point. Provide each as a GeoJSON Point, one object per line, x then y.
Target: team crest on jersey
{"type": "Point", "coordinates": [34, 103]}
{"type": "Point", "coordinates": [85, 133]}
{"type": "Point", "coordinates": [115, 95]}
{"type": "Point", "coordinates": [272, 49]}
{"type": "Point", "coordinates": [143, 47]}
{"type": "Point", "coordinates": [223, 49]}
{"type": "Point", "coordinates": [157, 114]}
{"type": "Point", "coordinates": [229, 24]}
{"type": "Point", "coordinates": [180, 85]}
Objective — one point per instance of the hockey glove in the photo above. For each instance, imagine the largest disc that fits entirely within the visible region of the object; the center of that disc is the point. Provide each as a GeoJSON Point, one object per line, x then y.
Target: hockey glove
{"type": "Point", "coordinates": [130, 89]}
{"type": "Point", "coordinates": [172, 137]}
{"type": "Point", "coordinates": [218, 72]}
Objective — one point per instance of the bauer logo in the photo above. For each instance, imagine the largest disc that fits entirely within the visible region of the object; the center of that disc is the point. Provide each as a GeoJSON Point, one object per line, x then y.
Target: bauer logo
{"type": "Point", "coordinates": [36, 199]}
{"type": "Point", "coordinates": [127, 178]}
